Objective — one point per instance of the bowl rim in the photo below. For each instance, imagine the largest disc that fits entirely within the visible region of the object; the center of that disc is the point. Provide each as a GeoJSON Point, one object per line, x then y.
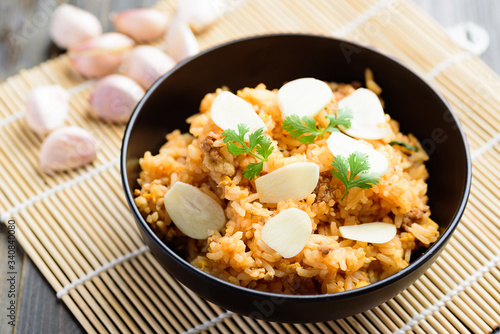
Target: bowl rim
{"type": "Point", "coordinates": [413, 266]}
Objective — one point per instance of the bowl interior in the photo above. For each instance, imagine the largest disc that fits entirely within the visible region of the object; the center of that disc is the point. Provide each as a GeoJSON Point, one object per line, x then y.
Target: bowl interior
{"type": "Point", "coordinates": [275, 59]}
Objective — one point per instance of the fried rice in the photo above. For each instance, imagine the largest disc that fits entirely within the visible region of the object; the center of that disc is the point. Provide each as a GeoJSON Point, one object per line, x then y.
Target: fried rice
{"type": "Point", "coordinates": [328, 263]}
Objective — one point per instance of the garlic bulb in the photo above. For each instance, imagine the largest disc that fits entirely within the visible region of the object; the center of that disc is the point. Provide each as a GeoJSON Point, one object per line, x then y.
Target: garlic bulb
{"type": "Point", "coordinates": [180, 41]}
{"type": "Point", "coordinates": [114, 98]}
{"type": "Point", "coordinates": [67, 148]}
{"type": "Point", "coordinates": [71, 25]}
{"type": "Point", "coordinates": [142, 24]}
{"type": "Point", "coordinates": [46, 108]}
{"type": "Point", "coordinates": [101, 55]}
{"type": "Point", "coordinates": [145, 64]}
{"type": "Point", "coordinates": [199, 14]}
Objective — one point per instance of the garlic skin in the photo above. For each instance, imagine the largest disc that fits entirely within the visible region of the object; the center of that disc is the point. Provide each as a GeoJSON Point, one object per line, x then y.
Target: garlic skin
{"type": "Point", "coordinates": [180, 41]}
{"type": "Point", "coordinates": [114, 98]}
{"type": "Point", "coordinates": [142, 24]}
{"type": "Point", "coordinates": [145, 64]}
{"type": "Point", "coordinates": [71, 25]}
{"type": "Point", "coordinates": [101, 55]}
{"type": "Point", "coordinates": [46, 108]}
{"type": "Point", "coordinates": [199, 14]}
{"type": "Point", "coordinates": [67, 148]}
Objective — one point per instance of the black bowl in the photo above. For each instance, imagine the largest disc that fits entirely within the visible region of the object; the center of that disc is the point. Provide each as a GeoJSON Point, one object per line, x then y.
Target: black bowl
{"type": "Point", "coordinates": [273, 60]}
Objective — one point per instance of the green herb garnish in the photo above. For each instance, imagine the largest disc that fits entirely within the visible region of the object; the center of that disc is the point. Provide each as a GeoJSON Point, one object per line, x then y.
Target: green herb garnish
{"type": "Point", "coordinates": [353, 171]}
{"type": "Point", "coordinates": [306, 131]}
{"type": "Point", "coordinates": [256, 141]}
{"type": "Point", "coordinates": [405, 145]}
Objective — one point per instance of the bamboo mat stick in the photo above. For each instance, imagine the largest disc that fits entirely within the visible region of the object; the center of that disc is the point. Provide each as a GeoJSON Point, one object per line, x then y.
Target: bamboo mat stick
{"type": "Point", "coordinates": [69, 240]}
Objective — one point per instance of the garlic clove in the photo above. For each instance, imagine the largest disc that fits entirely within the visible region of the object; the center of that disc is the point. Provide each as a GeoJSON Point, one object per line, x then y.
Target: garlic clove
{"type": "Point", "coordinates": [295, 181]}
{"type": "Point", "coordinates": [180, 41]}
{"type": "Point", "coordinates": [229, 110]}
{"type": "Point", "coordinates": [340, 144]}
{"type": "Point", "coordinates": [46, 108]}
{"type": "Point", "coordinates": [192, 211]}
{"type": "Point", "coordinates": [368, 121]}
{"type": "Point", "coordinates": [375, 233]}
{"type": "Point", "coordinates": [101, 55]}
{"type": "Point", "coordinates": [142, 24]}
{"type": "Point", "coordinates": [67, 148]}
{"type": "Point", "coordinates": [303, 97]}
{"type": "Point", "coordinates": [71, 25]}
{"type": "Point", "coordinates": [114, 98]}
{"type": "Point", "coordinates": [287, 232]}
{"type": "Point", "coordinates": [145, 64]}
{"type": "Point", "coordinates": [199, 14]}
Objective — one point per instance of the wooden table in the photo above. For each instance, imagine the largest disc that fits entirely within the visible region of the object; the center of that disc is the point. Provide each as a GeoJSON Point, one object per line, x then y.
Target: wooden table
{"type": "Point", "coordinates": [24, 42]}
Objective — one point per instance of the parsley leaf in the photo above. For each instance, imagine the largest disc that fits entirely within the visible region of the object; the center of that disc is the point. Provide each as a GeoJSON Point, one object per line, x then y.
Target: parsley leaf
{"type": "Point", "coordinates": [357, 165]}
{"type": "Point", "coordinates": [257, 141]}
{"type": "Point", "coordinates": [405, 145]}
{"type": "Point", "coordinates": [305, 129]}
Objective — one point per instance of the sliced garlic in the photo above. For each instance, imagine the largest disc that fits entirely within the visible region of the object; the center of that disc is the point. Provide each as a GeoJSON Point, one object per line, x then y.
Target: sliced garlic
{"type": "Point", "coordinates": [303, 97]}
{"type": "Point", "coordinates": [295, 181]}
{"type": "Point", "coordinates": [180, 41]}
{"type": "Point", "coordinates": [368, 121]}
{"type": "Point", "coordinates": [145, 64]}
{"type": "Point", "coordinates": [229, 110]}
{"type": "Point", "coordinates": [142, 24]}
{"type": "Point", "coordinates": [193, 211]}
{"type": "Point", "coordinates": [71, 25]}
{"type": "Point", "coordinates": [100, 55]}
{"type": "Point", "coordinates": [287, 232]}
{"type": "Point", "coordinates": [199, 14]}
{"type": "Point", "coordinates": [67, 148]}
{"type": "Point", "coordinates": [375, 233]}
{"type": "Point", "coordinates": [340, 144]}
{"type": "Point", "coordinates": [46, 108]}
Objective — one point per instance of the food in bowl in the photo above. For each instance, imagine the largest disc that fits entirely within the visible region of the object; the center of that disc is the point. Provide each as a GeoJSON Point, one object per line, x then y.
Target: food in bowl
{"type": "Point", "coordinates": [308, 189]}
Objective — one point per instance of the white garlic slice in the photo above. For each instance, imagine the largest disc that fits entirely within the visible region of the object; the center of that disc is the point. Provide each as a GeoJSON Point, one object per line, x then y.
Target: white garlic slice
{"type": "Point", "coordinates": [287, 232]}
{"type": "Point", "coordinates": [375, 233]}
{"type": "Point", "coordinates": [229, 110]}
{"type": "Point", "coordinates": [142, 24]}
{"type": "Point", "coordinates": [193, 211]}
{"type": "Point", "coordinates": [46, 108]}
{"type": "Point", "coordinates": [341, 144]}
{"type": "Point", "coordinates": [71, 25]}
{"type": "Point", "coordinates": [180, 41]}
{"type": "Point", "coordinates": [145, 64]}
{"type": "Point", "coordinates": [295, 181]}
{"type": "Point", "coordinates": [199, 14]}
{"type": "Point", "coordinates": [368, 121]}
{"type": "Point", "coordinates": [67, 148]}
{"type": "Point", "coordinates": [303, 97]}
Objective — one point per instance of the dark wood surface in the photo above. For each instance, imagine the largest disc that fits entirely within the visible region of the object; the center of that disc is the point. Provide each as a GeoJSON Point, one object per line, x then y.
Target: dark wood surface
{"type": "Point", "coordinates": [24, 42]}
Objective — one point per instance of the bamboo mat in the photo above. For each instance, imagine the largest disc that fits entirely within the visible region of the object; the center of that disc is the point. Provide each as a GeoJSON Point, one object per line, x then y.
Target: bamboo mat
{"type": "Point", "coordinates": [78, 230]}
